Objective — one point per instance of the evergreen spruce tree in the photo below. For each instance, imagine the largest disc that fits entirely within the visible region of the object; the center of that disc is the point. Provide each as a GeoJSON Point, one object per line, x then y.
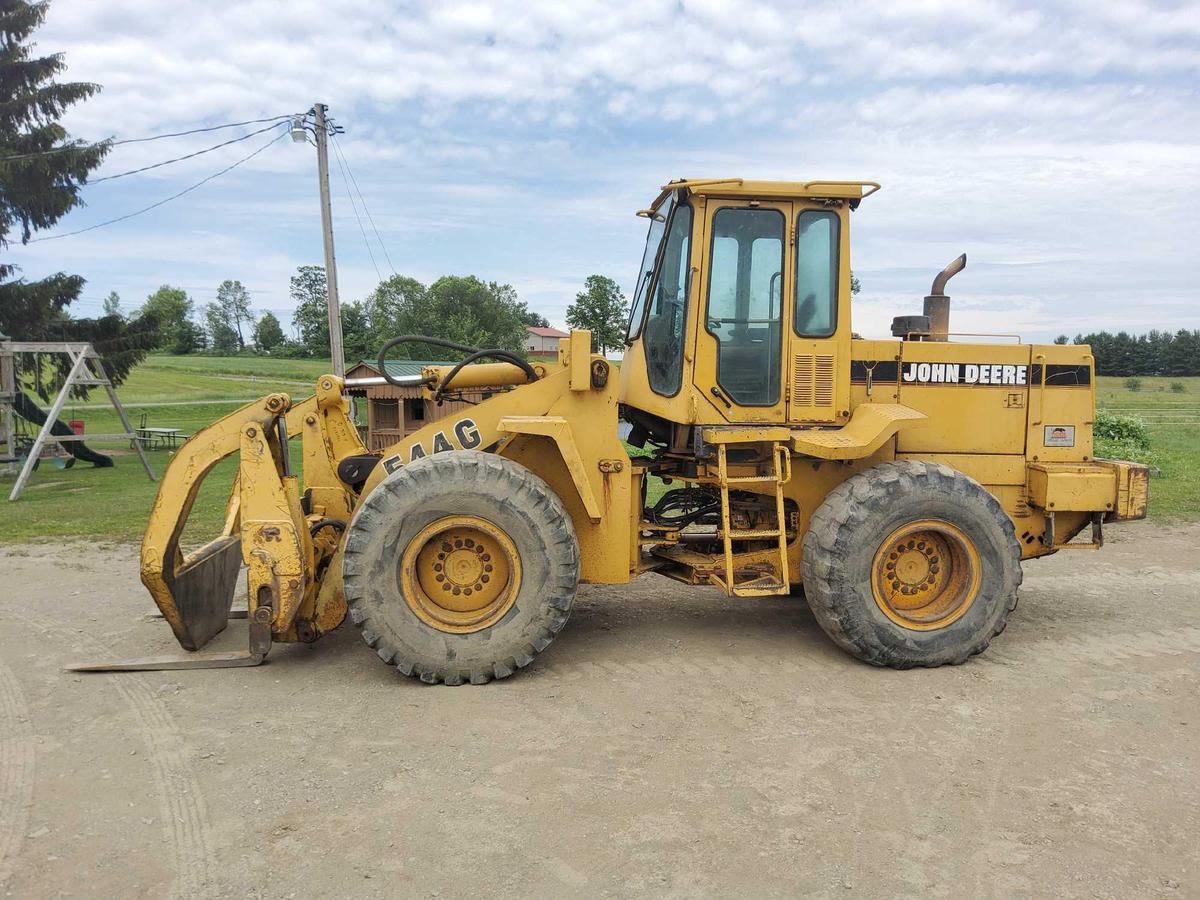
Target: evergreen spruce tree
{"type": "Point", "coordinates": [42, 169]}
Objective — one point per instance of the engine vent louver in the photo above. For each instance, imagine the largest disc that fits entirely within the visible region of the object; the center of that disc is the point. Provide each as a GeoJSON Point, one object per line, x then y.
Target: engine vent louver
{"type": "Point", "coordinates": [812, 380]}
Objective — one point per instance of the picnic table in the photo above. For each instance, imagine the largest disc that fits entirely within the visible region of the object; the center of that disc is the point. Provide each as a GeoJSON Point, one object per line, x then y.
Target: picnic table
{"type": "Point", "coordinates": [160, 438]}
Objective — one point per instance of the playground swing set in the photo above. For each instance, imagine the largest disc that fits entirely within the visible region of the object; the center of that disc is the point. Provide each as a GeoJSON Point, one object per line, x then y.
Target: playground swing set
{"type": "Point", "coordinates": [19, 414]}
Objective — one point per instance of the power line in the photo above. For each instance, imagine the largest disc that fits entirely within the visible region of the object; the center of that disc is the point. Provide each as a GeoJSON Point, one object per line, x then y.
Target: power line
{"type": "Point", "coordinates": [156, 137]}
{"type": "Point", "coordinates": [168, 162]}
{"type": "Point", "coordinates": [382, 246]}
{"type": "Point", "coordinates": [54, 237]}
{"type": "Point", "coordinates": [354, 206]}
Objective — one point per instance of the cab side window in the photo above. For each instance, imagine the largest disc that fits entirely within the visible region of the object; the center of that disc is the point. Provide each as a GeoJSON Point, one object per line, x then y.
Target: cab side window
{"type": "Point", "coordinates": [816, 273]}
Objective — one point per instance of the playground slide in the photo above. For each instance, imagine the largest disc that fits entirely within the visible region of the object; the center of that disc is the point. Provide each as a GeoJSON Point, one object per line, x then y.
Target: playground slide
{"type": "Point", "coordinates": [31, 412]}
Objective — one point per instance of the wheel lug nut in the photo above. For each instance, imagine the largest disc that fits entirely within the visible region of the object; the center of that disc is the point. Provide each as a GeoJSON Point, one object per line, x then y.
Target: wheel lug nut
{"type": "Point", "coordinates": [446, 546]}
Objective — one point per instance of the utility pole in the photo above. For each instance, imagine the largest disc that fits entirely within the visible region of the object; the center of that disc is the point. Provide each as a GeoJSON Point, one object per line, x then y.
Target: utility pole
{"type": "Point", "coordinates": [335, 312]}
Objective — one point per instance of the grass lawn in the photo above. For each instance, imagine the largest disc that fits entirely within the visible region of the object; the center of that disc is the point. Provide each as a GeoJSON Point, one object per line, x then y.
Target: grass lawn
{"type": "Point", "coordinates": [176, 378]}
{"type": "Point", "coordinates": [113, 504]}
{"type": "Point", "coordinates": [184, 392]}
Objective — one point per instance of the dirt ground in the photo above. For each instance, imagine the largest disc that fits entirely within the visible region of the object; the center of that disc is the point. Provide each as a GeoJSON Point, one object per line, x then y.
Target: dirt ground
{"type": "Point", "coordinates": [672, 742]}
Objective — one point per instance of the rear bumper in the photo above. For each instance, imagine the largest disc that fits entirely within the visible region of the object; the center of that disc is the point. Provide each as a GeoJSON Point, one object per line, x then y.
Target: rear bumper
{"type": "Point", "coordinates": [1116, 489]}
{"type": "Point", "coordinates": [1133, 490]}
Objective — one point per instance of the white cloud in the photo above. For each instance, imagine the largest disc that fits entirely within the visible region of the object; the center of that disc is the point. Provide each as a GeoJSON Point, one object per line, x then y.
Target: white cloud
{"type": "Point", "coordinates": [1059, 145]}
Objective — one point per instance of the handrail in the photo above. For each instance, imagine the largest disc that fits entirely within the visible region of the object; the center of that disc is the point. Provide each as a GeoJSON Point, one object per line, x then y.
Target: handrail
{"type": "Point", "coordinates": [700, 182]}
{"type": "Point", "coordinates": [1042, 390]}
{"type": "Point", "coordinates": [995, 334]}
{"type": "Point", "coordinates": [692, 183]}
{"type": "Point", "coordinates": [873, 185]}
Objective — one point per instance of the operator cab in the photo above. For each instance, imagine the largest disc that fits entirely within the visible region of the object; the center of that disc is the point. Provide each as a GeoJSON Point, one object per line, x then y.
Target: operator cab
{"type": "Point", "coordinates": [742, 307]}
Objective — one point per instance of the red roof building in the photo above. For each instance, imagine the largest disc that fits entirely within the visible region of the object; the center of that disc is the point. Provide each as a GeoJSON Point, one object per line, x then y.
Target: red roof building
{"type": "Point", "coordinates": [542, 340]}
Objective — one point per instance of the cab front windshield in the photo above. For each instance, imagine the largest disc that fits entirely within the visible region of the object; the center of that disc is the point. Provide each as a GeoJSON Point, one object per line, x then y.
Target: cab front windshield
{"type": "Point", "coordinates": [654, 239]}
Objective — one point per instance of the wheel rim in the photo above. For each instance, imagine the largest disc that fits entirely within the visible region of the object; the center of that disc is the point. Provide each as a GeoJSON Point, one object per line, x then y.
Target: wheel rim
{"type": "Point", "coordinates": [926, 574]}
{"type": "Point", "coordinates": [460, 574]}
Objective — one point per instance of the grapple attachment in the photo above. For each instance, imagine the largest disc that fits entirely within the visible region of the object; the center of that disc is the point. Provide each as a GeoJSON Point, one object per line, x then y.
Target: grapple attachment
{"type": "Point", "coordinates": [266, 528]}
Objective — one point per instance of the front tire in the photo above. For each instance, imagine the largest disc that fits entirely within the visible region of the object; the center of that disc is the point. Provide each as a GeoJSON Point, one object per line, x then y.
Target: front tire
{"type": "Point", "coordinates": [911, 564]}
{"type": "Point", "coordinates": [461, 566]}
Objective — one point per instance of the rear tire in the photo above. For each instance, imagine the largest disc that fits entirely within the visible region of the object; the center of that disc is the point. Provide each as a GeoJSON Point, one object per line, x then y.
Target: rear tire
{"type": "Point", "coordinates": [911, 564]}
{"type": "Point", "coordinates": [461, 566]}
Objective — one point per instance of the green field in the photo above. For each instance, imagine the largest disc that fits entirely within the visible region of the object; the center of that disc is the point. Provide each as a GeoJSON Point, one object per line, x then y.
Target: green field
{"type": "Point", "coordinates": [174, 378]}
{"type": "Point", "coordinates": [1173, 420]}
{"type": "Point", "coordinates": [190, 392]}
{"type": "Point", "coordinates": [184, 392]}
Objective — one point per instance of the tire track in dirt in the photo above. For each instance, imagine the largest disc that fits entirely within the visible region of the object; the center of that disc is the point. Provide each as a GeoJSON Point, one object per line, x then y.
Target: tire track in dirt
{"type": "Point", "coordinates": [182, 810]}
{"type": "Point", "coordinates": [1104, 649]}
{"type": "Point", "coordinates": [17, 758]}
{"type": "Point", "coordinates": [709, 670]}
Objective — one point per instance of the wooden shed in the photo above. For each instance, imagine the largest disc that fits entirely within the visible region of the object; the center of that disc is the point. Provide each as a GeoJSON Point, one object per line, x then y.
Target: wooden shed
{"type": "Point", "coordinates": [395, 412]}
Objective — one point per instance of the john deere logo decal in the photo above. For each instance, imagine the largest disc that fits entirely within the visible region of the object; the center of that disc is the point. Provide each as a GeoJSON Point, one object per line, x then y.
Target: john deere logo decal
{"type": "Point", "coordinates": [964, 373]}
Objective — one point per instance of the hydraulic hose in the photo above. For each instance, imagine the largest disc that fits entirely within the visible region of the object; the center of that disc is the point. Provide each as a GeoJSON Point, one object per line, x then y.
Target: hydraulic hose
{"type": "Point", "coordinates": [473, 354]}
{"type": "Point", "coordinates": [316, 526]}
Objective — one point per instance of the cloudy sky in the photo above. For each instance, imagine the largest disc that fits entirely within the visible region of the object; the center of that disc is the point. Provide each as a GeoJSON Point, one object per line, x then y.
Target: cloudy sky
{"type": "Point", "coordinates": [1058, 145]}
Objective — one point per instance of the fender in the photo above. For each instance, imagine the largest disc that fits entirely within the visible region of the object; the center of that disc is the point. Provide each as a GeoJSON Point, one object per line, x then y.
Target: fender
{"type": "Point", "coordinates": [870, 426]}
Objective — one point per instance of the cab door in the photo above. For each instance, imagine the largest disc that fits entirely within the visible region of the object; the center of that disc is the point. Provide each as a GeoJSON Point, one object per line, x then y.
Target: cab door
{"type": "Point", "coordinates": [818, 372]}
{"type": "Point", "coordinates": [744, 295]}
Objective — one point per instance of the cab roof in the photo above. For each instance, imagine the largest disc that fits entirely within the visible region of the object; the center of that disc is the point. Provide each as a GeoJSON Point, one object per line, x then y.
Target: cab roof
{"type": "Point", "coordinates": [853, 191]}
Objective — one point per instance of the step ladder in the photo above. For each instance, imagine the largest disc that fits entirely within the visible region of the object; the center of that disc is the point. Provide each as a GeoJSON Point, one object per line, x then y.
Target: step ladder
{"type": "Point", "coordinates": [759, 583]}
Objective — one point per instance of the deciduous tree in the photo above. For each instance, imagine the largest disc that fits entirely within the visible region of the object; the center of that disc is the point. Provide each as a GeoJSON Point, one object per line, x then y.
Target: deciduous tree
{"type": "Point", "coordinates": [600, 308]}
{"type": "Point", "coordinates": [221, 335]}
{"type": "Point", "coordinates": [234, 301]}
{"type": "Point", "coordinates": [464, 309]}
{"type": "Point", "coordinates": [311, 316]}
{"type": "Point", "coordinates": [173, 309]}
{"type": "Point", "coordinates": [112, 304]}
{"type": "Point", "coordinates": [268, 333]}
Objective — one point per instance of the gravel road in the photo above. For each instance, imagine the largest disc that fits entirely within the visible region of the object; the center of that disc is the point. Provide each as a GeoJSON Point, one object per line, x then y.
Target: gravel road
{"type": "Point", "coordinates": [672, 742]}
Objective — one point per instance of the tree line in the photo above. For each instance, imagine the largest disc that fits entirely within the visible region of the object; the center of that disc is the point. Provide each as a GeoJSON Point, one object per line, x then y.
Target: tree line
{"type": "Point", "coordinates": [1154, 353]}
{"type": "Point", "coordinates": [464, 309]}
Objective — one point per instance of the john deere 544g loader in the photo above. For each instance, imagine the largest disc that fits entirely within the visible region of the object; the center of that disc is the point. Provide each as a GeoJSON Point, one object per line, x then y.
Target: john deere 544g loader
{"type": "Point", "coordinates": [899, 483]}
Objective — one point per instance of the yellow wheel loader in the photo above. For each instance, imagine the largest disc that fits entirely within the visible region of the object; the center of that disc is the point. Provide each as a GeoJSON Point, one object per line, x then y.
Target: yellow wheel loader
{"type": "Point", "coordinates": [896, 484]}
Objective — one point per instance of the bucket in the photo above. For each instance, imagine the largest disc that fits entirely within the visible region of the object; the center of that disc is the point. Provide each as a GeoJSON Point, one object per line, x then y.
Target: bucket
{"type": "Point", "coordinates": [76, 425]}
